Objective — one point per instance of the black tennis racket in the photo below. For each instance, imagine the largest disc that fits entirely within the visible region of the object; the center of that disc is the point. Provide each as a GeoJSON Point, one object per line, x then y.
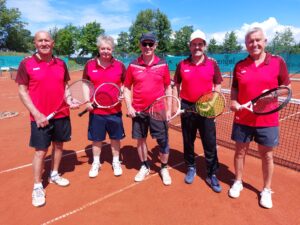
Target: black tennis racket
{"type": "Point", "coordinates": [106, 96]}
{"type": "Point", "coordinates": [269, 102]}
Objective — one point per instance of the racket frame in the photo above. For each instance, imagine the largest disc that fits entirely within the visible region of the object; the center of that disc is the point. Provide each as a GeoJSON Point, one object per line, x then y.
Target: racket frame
{"type": "Point", "coordinates": [194, 110]}
{"type": "Point", "coordinates": [97, 105]}
{"type": "Point", "coordinates": [249, 105]}
{"type": "Point", "coordinates": [67, 95]}
{"type": "Point", "coordinates": [149, 109]}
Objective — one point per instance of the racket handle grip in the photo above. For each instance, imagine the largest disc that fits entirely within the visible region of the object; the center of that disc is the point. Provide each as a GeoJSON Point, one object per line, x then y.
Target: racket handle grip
{"type": "Point", "coordinates": [83, 112]}
{"type": "Point", "coordinates": [51, 116]}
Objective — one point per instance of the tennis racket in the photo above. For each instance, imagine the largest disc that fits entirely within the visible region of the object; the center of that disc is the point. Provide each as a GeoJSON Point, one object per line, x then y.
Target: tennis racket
{"type": "Point", "coordinates": [106, 96]}
{"type": "Point", "coordinates": [164, 108]}
{"type": "Point", "coordinates": [77, 93]}
{"type": "Point", "coordinates": [209, 105]}
{"type": "Point", "coordinates": [270, 101]}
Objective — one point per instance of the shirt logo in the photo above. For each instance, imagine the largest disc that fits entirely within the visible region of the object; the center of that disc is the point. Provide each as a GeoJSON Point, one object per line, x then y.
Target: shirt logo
{"type": "Point", "coordinates": [94, 71]}
{"type": "Point", "coordinates": [36, 68]}
{"type": "Point", "coordinates": [243, 71]}
{"type": "Point", "coordinates": [186, 71]}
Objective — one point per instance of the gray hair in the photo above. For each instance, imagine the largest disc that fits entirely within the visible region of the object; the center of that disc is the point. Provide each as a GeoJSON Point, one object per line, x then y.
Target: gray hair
{"type": "Point", "coordinates": [253, 30]}
{"type": "Point", "coordinates": [106, 39]}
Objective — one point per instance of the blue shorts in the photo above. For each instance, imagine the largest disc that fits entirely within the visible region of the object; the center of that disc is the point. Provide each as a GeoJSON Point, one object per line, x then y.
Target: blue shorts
{"type": "Point", "coordinates": [99, 125]}
{"type": "Point", "coordinates": [58, 130]}
{"type": "Point", "coordinates": [267, 136]}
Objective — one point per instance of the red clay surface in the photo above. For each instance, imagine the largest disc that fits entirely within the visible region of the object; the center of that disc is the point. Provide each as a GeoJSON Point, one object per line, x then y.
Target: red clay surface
{"type": "Point", "coordinates": [111, 200]}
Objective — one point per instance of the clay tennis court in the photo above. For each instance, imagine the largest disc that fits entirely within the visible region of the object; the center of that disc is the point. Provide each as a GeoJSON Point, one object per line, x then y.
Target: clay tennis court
{"type": "Point", "coordinates": [119, 200]}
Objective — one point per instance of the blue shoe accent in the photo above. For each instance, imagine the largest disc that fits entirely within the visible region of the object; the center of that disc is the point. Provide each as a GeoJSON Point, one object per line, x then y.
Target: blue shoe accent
{"type": "Point", "coordinates": [213, 182]}
{"type": "Point", "coordinates": [190, 175]}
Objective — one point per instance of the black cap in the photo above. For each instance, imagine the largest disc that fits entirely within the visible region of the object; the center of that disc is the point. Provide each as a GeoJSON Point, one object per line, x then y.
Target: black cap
{"type": "Point", "coordinates": [148, 37]}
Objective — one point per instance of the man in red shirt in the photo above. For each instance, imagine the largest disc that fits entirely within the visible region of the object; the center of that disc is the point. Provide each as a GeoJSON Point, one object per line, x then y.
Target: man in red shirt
{"type": "Point", "coordinates": [42, 79]}
{"type": "Point", "coordinates": [101, 69]}
{"type": "Point", "coordinates": [258, 72]}
{"type": "Point", "coordinates": [150, 78]}
{"type": "Point", "coordinates": [194, 77]}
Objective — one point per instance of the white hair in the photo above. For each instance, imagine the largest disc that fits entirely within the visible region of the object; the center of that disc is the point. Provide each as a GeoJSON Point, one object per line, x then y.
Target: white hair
{"type": "Point", "coordinates": [253, 30]}
{"type": "Point", "coordinates": [106, 39]}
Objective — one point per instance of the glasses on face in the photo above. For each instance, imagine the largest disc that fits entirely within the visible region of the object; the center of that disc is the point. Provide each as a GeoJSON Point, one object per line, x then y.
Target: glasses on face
{"type": "Point", "coordinates": [150, 44]}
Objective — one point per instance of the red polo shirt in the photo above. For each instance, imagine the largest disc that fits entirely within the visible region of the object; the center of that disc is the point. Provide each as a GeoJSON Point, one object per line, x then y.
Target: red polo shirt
{"type": "Point", "coordinates": [149, 81]}
{"type": "Point", "coordinates": [98, 75]}
{"type": "Point", "coordinates": [251, 80]}
{"type": "Point", "coordinates": [197, 80]}
{"type": "Point", "coordinates": [45, 82]}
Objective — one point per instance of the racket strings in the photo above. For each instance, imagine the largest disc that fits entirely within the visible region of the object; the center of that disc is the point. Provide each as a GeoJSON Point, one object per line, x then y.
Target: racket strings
{"type": "Point", "coordinates": [164, 108]}
{"type": "Point", "coordinates": [272, 101]}
{"type": "Point", "coordinates": [107, 95]}
{"type": "Point", "coordinates": [211, 105]}
{"type": "Point", "coordinates": [79, 92]}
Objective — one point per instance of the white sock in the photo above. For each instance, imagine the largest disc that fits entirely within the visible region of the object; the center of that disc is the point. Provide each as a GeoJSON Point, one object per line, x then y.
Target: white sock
{"type": "Point", "coordinates": [54, 173]}
{"type": "Point", "coordinates": [37, 185]}
{"type": "Point", "coordinates": [116, 159]}
{"type": "Point", "coordinates": [96, 159]}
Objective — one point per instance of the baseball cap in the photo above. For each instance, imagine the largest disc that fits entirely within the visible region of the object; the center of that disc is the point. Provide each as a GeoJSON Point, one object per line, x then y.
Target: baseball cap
{"type": "Point", "coordinates": [148, 36]}
{"type": "Point", "coordinates": [198, 34]}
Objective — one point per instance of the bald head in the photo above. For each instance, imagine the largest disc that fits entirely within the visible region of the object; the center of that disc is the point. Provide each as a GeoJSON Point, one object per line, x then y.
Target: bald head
{"type": "Point", "coordinates": [44, 44]}
{"type": "Point", "coordinates": [43, 34]}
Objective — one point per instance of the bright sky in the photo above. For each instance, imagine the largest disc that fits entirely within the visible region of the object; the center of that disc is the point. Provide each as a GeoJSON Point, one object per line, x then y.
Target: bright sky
{"type": "Point", "coordinates": [214, 17]}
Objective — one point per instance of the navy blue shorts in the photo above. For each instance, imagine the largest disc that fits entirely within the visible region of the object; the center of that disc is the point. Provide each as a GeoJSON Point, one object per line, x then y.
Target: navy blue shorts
{"type": "Point", "coordinates": [267, 136]}
{"type": "Point", "coordinates": [58, 130]}
{"type": "Point", "coordinates": [99, 125]}
{"type": "Point", "coordinates": [142, 123]}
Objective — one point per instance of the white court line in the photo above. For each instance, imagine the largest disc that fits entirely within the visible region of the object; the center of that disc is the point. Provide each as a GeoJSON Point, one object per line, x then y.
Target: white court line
{"type": "Point", "coordinates": [89, 204]}
{"type": "Point", "coordinates": [46, 160]}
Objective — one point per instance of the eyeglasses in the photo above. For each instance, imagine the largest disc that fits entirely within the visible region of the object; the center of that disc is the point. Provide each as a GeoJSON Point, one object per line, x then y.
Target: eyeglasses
{"type": "Point", "coordinates": [150, 44]}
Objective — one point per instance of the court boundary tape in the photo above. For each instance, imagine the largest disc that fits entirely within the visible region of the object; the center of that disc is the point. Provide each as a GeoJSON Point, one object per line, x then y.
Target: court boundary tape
{"type": "Point", "coordinates": [92, 203]}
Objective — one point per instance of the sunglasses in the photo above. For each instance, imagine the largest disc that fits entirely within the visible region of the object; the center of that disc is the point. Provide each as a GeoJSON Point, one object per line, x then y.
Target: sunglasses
{"type": "Point", "coordinates": [150, 44]}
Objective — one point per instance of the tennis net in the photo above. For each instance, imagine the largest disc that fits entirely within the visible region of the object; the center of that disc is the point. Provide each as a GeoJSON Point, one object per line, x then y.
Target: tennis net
{"type": "Point", "coordinates": [286, 154]}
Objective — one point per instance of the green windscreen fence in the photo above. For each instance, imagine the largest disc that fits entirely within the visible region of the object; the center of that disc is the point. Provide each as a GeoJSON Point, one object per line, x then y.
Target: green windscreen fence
{"type": "Point", "coordinates": [226, 62]}
{"type": "Point", "coordinates": [14, 61]}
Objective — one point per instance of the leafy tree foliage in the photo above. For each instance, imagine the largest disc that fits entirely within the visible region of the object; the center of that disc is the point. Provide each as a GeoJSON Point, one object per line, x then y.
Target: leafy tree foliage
{"type": "Point", "coordinates": [213, 47]}
{"type": "Point", "coordinates": [66, 40]}
{"type": "Point", "coordinates": [87, 38]}
{"type": "Point", "coordinates": [150, 21]}
{"type": "Point", "coordinates": [283, 42]}
{"type": "Point", "coordinates": [230, 44]}
{"type": "Point", "coordinates": [181, 40]}
{"type": "Point", "coordinates": [13, 36]}
{"type": "Point", "coordinates": [123, 43]}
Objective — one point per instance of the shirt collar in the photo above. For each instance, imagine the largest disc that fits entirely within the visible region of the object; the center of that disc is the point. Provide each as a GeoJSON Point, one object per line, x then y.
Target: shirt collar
{"type": "Point", "coordinates": [202, 63]}
{"type": "Point", "coordinates": [154, 62]}
{"type": "Point", "coordinates": [266, 60]}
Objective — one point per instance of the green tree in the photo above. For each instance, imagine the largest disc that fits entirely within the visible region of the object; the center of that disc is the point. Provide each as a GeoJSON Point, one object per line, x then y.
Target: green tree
{"type": "Point", "coordinates": [87, 38]}
{"type": "Point", "coordinates": [66, 40]}
{"type": "Point", "coordinates": [181, 40]}
{"type": "Point", "coordinates": [230, 44]}
{"type": "Point", "coordinates": [150, 21]}
{"type": "Point", "coordinates": [282, 42]}
{"type": "Point", "coordinates": [123, 43]}
{"type": "Point", "coordinates": [13, 35]}
{"type": "Point", "coordinates": [213, 47]}
{"type": "Point", "coordinates": [163, 31]}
